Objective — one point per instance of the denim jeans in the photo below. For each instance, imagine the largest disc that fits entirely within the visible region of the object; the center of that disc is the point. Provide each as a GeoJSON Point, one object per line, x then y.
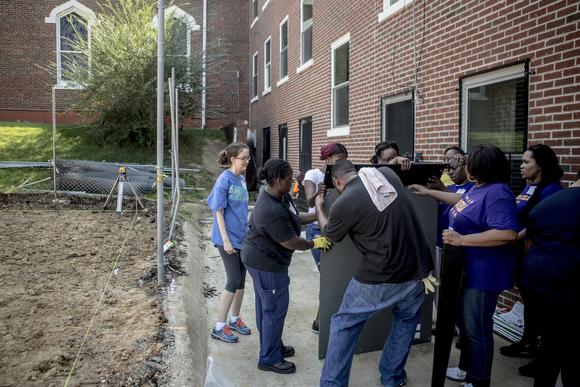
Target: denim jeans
{"type": "Point", "coordinates": [476, 333]}
{"type": "Point", "coordinates": [312, 231]}
{"type": "Point", "coordinates": [361, 302]}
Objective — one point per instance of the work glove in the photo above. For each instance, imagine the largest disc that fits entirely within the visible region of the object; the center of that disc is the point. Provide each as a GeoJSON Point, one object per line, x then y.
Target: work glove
{"type": "Point", "coordinates": [322, 243]}
{"type": "Point", "coordinates": [430, 283]}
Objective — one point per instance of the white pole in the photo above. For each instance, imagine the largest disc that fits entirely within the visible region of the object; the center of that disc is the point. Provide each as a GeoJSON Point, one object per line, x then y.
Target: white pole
{"type": "Point", "coordinates": [204, 75]}
{"type": "Point", "coordinates": [160, 124]}
{"type": "Point", "coordinates": [54, 139]}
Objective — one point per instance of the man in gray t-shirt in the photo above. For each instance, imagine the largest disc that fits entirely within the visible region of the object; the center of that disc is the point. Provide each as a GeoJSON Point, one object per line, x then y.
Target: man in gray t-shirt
{"type": "Point", "coordinates": [395, 259]}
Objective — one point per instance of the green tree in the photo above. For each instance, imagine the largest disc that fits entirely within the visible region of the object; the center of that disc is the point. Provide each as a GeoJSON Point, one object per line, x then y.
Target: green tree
{"type": "Point", "coordinates": [117, 74]}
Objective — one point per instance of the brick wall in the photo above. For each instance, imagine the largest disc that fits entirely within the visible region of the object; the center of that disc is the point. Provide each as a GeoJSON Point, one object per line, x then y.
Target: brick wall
{"type": "Point", "coordinates": [453, 38]}
{"type": "Point", "coordinates": [27, 42]}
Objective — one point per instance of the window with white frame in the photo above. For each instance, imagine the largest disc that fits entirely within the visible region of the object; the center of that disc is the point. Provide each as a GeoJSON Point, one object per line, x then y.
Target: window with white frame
{"type": "Point", "coordinates": [306, 32]}
{"type": "Point", "coordinates": [255, 76]}
{"type": "Point", "coordinates": [284, 50]}
{"type": "Point", "coordinates": [392, 6]}
{"type": "Point", "coordinates": [398, 122]}
{"type": "Point", "coordinates": [254, 11]}
{"type": "Point", "coordinates": [267, 64]}
{"type": "Point", "coordinates": [72, 28]}
{"type": "Point", "coordinates": [266, 2]}
{"type": "Point", "coordinates": [340, 81]}
{"type": "Point", "coordinates": [494, 110]}
{"type": "Point", "coordinates": [185, 27]}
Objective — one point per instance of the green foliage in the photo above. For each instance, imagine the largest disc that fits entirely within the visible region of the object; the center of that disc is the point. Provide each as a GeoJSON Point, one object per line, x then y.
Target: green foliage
{"type": "Point", "coordinates": [118, 96]}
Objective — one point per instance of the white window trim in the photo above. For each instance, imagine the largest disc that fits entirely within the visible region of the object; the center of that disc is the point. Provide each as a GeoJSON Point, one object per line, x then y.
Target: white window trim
{"type": "Point", "coordinates": [285, 20]}
{"type": "Point", "coordinates": [181, 14]}
{"type": "Point", "coordinates": [254, 73]}
{"type": "Point", "coordinates": [254, 22]}
{"type": "Point", "coordinates": [490, 77]}
{"type": "Point", "coordinates": [339, 130]}
{"type": "Point", "coordinates": [389, 10]}
{"type": "Point", "coordinates": [265, 4]}
{"type": "Point", "coordinates": [304, 66]}
{"type": "Point", "coordinates": [266, 73]}
{"type": "Point", "coordinates": [56, 14]}
{"type": "Point", "coordinates": [307, 64]}
{"type": "Point", "coordinates": [254, 99]}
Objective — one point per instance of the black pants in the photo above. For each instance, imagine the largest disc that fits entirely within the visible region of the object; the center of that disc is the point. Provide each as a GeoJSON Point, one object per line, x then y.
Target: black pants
{"type": "Point", "coordinates": [235, 270]}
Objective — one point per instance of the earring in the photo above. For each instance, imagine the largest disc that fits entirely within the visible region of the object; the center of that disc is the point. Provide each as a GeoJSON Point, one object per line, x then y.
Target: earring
{"type": "Point", "coordinates": [471, 178]}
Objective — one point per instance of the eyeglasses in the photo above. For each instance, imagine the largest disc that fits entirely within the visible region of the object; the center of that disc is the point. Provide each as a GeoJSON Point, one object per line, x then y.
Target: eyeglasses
{"type": "Point", "coordinates": [244, 159]}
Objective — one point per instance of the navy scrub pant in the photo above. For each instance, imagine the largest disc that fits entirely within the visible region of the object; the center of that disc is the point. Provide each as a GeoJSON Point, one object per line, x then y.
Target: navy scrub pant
{"type": "Point", "coordinates": [272, 300]}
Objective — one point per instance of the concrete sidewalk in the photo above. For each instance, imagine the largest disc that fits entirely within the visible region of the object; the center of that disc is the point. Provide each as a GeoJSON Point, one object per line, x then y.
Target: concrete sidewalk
{"type": "Point", "coordinates": [238, 361]}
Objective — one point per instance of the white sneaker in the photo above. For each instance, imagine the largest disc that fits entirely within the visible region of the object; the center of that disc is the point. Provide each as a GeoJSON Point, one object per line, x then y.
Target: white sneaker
{"type": "Point", "coordinates": [467, 384]}
{"type": "Point", "coordinates": [456, 374]}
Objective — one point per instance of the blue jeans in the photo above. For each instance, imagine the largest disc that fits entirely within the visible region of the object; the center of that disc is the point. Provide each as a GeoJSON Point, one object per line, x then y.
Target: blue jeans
{"type": "Point", "coordinates": [361, 302]}
{"type": "Point", "coordinates": [272, 299]}
{"type": "Point", "coordinates": [312, 231]}
{"type": "Point", "coordinates": [476, 333]}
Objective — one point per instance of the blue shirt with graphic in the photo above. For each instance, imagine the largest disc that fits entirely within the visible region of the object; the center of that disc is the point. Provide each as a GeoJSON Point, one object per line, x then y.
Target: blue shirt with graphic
{"type": "Point", "coordinates": [443, 219]}
{"type": "Point", "coordinates": [489, 207]}
{"type": "Point", "coordinates": [230, 194]}
{"type": "Point", "coordinates": [523, 199]}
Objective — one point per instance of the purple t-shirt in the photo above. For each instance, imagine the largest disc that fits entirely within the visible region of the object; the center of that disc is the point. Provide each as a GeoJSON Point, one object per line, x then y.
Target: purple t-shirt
{"type": "Point", "coordinates": [523, 199]}
{"type": "Point", "coordinates": [443, 219]}
{"type": "Point", "coordinates": [489, 207]}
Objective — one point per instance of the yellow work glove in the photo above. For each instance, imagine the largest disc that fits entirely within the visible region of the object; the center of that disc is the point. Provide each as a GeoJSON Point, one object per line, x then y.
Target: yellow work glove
{"type": "Point", "coordinates": [430, 283]}
{"type": "Point", "coordinates": [322, 243]}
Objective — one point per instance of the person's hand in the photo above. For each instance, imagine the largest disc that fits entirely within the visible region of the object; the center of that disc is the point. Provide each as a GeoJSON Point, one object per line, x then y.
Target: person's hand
{"type": "Point", "coordinates": [228, 248]}
{"type": "Point", "coordinates": [404, 162]}
{"type": "Point", "coordinates": [322, 243]}
{"type": "Point", "coordinates": [322, 189]}
{"type": "Point", "coordinates": [430, 283]}
{"type": "Point", "coordinates": [452, 237]}
{"type": "Point", "coordinates": [319, 201]}
{"type": "Point", "coordinates": [436, 183]}
{"type": "Point", "coordinates": [419, 189]}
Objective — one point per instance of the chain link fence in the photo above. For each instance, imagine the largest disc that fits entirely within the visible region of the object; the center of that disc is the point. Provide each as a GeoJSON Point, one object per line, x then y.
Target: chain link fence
{"type": "Point", "coordinates": [99, 177]}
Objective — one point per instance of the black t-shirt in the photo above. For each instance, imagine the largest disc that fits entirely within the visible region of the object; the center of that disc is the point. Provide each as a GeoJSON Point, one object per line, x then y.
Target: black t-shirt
{"type": "Point", "coordinates": [392, 242]}
{"type": "Point", "coordinates": [272, 221]}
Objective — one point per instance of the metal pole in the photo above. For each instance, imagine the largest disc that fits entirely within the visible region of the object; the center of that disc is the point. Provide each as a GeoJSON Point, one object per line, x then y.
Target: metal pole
{"type": "Point", "coordinates": [54, 139]}
{"type": "Point", "coordinates": [160, 123]}
{"type": "Point", "coordinates": [204, 75]}
{"type": "Point", "coordinates": [176, 161]}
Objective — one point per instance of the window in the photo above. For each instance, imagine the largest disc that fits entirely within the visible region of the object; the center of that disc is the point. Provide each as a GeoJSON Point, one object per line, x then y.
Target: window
{"type": "Point", "coordinates": [254, 12]}
{"type": "Point", "coordinates": [340, 80]}
{"type": "Point", "coordinates": [283, 141]}
{"type": "Point", "coordinates": [392, 6]}
{"type": "Point", "coordinates": [266, 2]}
{"type": "Point", "coordinates": [185, 28]}
{"type": "Point", "coordinates": [494, 110]}
{"type": "Point", "coordinates": [266, 145]}
{"type": "Point", "coordinates": [255, 76]}
{"type": "Point", "coordinates": [397, 122]}
{"type": "Point", "coordinates": [283, 51]}
{"type": "Point", "coordinates": [71, 28]}
{"type": "Point", "coordinates": [267, 65]}
{"type": "Point", "coordinates": [305, 150]}
{"type": "Point", "coordinates": [306, 33]}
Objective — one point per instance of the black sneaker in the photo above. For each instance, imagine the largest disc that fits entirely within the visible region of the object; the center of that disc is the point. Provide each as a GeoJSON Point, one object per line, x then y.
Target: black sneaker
{"type": "Point", "coordinates": [518, 350]}
{"type": "Point", "coordinates": [282, 367]}
{"type": "Point", "coordinates": [529, 370]}
{"type": "Point", "coordinates": [315, 327]}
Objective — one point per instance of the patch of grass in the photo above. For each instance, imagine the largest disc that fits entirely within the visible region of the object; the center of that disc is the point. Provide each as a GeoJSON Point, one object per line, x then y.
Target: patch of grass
{"type": "Point", "coordinates": [33, 143]}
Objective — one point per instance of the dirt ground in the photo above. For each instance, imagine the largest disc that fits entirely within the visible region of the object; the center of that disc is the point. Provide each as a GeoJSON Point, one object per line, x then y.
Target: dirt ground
{"type": "Point", "coordinates": [64, 307]}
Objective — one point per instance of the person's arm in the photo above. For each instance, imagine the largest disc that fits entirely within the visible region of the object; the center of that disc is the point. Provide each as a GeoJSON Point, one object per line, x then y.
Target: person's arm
{"type": "Point", "coordinates": [322, 218]}
{"type": "Point", "coordinates": [521, 235]}
{"type": "Point", "coordinates": [311, 191]}
{"type": "Point", "coordinates": [228, 248]}
{"type": "Point", "coordinates": [436, 183]}
{"type": "Point", "coordinates": [403, 161]}
{"type": "Point", "coordinates": [306, 217]}
{"type": "Point", "coordinates": [297, 243]}
{"type": "Point", "coordinates": [449, 198]}
{"type": "Point", "coordinates": [489, 238]}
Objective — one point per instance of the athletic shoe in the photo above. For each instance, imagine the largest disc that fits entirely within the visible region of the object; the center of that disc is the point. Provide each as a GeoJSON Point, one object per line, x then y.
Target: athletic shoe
{"type": "Point", "coordinates": [224, 335]}
{"type": "Point", "coordinates": [282, 367]}
{"type": "Point", "coordinates": [467, 384]}
{"type": "Point", "coordinates": [288, 351]}
{"type": "Point", "coordinates": [456, 374]}
{"type": "Point", "coordinates": [402, 384]}
{"type": "Point", "coordinates": [315, 327]}
{"type": "Point", "coordinates": [518, 350]}
{"type": "Point", "coordinates": [240, 327]}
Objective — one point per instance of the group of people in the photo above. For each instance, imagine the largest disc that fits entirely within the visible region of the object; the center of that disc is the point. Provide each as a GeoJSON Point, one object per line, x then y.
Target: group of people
{"type": "Point", "coordinates": [477, 212]}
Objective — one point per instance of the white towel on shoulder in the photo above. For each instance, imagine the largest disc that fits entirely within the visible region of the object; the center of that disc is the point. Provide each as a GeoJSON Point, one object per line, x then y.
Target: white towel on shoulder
{"type": "Point", "coordinates": [382, 193]}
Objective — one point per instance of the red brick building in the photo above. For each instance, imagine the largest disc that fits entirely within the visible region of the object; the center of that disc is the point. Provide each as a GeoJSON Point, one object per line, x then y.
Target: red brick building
{"type": "Point", "coordinates": [428, 74]}
{"type": "Point", "coordinates": [30, 39]}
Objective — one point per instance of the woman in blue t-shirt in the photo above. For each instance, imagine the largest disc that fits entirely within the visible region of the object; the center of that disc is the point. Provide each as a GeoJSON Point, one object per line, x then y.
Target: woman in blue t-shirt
{"type": "Point", "coordinates": [229, 202]}
{"type": "Point", "coordinates": [483, 223]}
{"type": "Point", "coordinates": [540, 167]}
